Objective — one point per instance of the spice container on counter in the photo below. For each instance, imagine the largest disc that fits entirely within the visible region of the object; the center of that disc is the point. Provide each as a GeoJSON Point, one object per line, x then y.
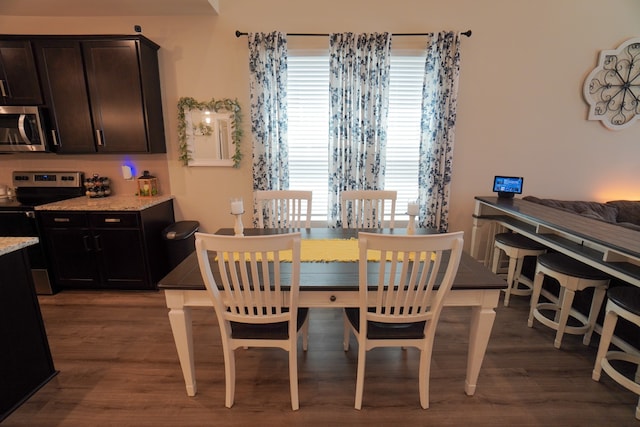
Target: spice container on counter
{"type": "Point", "coordinates": [97, 186]}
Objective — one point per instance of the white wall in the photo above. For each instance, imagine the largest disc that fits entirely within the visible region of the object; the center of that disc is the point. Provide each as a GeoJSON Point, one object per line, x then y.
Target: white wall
{"type": "Point", "coordinates": [520, 108]}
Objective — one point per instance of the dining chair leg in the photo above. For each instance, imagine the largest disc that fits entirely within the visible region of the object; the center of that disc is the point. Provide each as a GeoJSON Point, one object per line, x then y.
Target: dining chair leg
{"type": "Point", "coordinates": [293, 376]}
{"type": "Point", "coordinates": [229, 375]}
{"type": "Point", "coordinates": [362, 354]}
{"type": "Point", "coordinates": [346, 331]}
{"type": "Point", "coordinates": [423, 376]}
{"type": "Point", "coordinates": [305, 334]}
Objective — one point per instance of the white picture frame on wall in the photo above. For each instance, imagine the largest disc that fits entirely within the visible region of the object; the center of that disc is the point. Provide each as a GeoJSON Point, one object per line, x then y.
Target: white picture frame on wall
{"type": "Point", "coordinates": [209, 132]}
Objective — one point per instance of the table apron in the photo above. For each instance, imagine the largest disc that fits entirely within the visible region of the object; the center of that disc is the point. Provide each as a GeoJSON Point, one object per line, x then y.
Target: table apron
{"type": "Point", "coordinates": [487, 298]}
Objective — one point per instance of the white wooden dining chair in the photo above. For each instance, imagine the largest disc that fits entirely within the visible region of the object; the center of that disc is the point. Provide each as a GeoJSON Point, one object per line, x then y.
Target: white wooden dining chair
{"type": "Point", "coordinates": [252, 308]}
{"type": "Point", "coordinates": [410, 287]}
{"type": "Point", "coordinates": [368, 208]}
{"type": "Point", "coordinates": [283, 208]}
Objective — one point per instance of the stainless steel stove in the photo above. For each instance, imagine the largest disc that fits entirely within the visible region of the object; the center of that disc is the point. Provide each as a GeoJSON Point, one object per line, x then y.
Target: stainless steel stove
{"type": "Point", "coordinates": [17, 215]}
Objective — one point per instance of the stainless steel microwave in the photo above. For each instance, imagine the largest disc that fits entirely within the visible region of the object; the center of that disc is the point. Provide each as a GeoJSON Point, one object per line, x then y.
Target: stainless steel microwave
{"type": "Point", "coordinates": [22, 129]}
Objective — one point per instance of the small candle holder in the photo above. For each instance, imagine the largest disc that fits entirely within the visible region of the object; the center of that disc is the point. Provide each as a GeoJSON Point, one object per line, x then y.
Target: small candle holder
{"type": "Point", "coordinates": [237, 209]}
{"type": "Point", "coordinates": [411, 226]}
{"type": "Point", "coordinates": [413, 209]}
{"type": "Point", "coordinates": [238, 227]}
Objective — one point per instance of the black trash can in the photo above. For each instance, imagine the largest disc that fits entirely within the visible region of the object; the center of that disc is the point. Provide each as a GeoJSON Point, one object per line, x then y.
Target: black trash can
{"type": "Point", "coordinates": [180, 238]}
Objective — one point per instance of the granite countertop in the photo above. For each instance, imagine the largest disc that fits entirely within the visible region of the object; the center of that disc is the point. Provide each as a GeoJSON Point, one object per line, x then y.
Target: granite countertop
{"type": "Point", "coordinates": [111, 203]}
{"type": "Point", "coordinates": [11, 244]}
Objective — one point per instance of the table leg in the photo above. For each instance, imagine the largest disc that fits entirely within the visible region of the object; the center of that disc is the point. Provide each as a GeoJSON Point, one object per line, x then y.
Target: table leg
{"type": "Point", "coordinates": [482, 318]}
{"type": "Point", "coordinates": [180, 319]}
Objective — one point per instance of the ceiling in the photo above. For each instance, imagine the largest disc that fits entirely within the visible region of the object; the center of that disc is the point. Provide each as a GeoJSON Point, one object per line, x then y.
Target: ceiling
{"type": "Point", "coordinates": [107, 8]}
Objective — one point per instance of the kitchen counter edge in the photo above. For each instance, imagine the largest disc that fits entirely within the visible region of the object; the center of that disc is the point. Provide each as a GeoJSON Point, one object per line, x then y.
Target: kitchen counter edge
{"type": "Point", "coordinates": [111, 203]}
{"type": "Point", "coordinates": [12, 244]}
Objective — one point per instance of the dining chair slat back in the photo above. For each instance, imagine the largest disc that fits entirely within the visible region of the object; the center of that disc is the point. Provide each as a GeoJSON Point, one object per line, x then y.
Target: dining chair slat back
{"type": "Point", "coordinates": [250, 303]}
{"type": "Point", "coordinates": [368, 208]}
{"type": "Point", "coordinates": [283, 208]}
{"type": "Point", "coordinates": [410, 282]}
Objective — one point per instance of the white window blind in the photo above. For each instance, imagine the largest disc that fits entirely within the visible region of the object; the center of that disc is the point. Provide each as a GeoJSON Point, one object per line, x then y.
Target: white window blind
{"type": "Point", "coordinates": [308, 110]}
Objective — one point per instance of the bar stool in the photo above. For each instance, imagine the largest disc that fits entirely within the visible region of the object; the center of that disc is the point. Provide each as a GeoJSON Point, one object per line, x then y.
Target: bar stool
{"type": "Point", "coordinates": [572, 275]}
{"type": "Point", "coordinates": [623, 301]}
{"type": "Point", "coordinates": [516, 247]}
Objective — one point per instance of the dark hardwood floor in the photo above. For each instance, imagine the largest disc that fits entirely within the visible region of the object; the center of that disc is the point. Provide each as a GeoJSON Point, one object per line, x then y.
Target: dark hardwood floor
{"type": "Point", "coordinates": [118, 367]}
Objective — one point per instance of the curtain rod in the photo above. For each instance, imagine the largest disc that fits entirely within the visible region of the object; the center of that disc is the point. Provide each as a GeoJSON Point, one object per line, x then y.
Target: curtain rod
{"type": "Point", "coordinates": [466, 33]}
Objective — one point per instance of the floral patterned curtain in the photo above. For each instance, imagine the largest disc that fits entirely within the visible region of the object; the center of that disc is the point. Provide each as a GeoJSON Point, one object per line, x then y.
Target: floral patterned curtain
{"type": "Point", "coordinates": [439, 98]}
{"type": "Point", "coordinates": [358, 88]}
{"type": "Point", "coordinates": [268, 96]}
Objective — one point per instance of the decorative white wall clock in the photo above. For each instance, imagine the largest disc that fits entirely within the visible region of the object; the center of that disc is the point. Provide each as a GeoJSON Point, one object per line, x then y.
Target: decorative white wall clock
{"type": "Point", "coordinates": [612, 89]}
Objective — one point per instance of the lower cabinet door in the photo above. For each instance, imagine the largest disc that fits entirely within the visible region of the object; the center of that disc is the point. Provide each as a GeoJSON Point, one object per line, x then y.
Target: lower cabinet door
{"type": "Point", "coordinates": [72, 257]}
{"type": "Point", "coordinates": [120, 255]}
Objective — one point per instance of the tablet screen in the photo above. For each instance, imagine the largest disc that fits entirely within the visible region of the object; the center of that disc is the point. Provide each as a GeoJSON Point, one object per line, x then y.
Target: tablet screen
{"type": "Point", "coordinates": [508, 184]}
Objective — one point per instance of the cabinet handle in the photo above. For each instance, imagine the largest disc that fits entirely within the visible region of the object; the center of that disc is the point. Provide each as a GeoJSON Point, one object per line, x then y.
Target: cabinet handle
{"type": "Point", "coordinates": [3, 91]}
{"type": "Point", "coordinates": [54, 136]}
{"type": "Point", "coordinates": [112, 220]}
{"type": "Point", "coordinates": [85, 241]}
{"type": "Point", "coordinates": [99, 136]}
{"type": "Point", "coordinates": [61, 220]}
{"type": "Point", "coordinates": [96, 241]}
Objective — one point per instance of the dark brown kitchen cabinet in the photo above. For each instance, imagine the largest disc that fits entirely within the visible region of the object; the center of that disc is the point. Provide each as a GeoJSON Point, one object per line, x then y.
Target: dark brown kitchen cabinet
{"type": "Point", "coordinates": [65, 91]}
{"type": "Point", "coordinates": [25, 358]}
{"type": "Point", "coordinates": [19, 83]}
{"type": "Point", "coordinates": [107, 250]}
{"type": "Point", "coordinates": [103, 93]}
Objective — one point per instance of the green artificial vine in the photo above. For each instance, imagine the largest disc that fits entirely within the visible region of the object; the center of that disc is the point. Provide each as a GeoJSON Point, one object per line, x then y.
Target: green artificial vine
{"type": "Point", "coordinates": [232, 106]}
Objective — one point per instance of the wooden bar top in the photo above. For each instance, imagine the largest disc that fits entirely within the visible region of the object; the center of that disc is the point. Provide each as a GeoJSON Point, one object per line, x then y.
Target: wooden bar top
{"type": "Point", "coordinates": [611, 248]}
{"type": "Point", "coordinates": [616, 237]}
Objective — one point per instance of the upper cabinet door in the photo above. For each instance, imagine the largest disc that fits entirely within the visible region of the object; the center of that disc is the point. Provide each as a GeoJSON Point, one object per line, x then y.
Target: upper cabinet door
{"type": "Point", "coordinates": [124, 93]}
{"type": "Point", "coordinates": [18, 77]}
{"type": "Point", "coordinates": [65, 92]}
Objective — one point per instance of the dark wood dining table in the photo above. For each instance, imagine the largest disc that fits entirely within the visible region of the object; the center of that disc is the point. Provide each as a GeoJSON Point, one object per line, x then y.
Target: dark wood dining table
{"type": "Point", "coordinates": [334, 284]}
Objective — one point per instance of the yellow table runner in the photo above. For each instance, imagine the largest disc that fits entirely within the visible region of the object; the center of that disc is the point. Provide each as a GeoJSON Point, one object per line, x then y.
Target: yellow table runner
{"type": "Point", "coordinates": [328, 250]}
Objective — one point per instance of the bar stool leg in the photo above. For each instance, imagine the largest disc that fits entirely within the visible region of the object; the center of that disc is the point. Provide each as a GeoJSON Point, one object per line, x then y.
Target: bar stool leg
{"type": "Point", "coordinates": [518, 273]}
{"type": "Point", "coordinates": [496, 260]}
{"type": "Point", "coordinates": [510, 272]}
{"type": "Point", "coordinates": [556, 316]}
{"type": "Point", "coordinates": [596, 304]}
{"type": "Point", "coordinates": [565, 310]}
{"type": "Point", "coordinates": [535, 295]}
{"type": "Point", "coordinates": [511, 279]}
{"type": "Point", "coordinates": [608, 326]}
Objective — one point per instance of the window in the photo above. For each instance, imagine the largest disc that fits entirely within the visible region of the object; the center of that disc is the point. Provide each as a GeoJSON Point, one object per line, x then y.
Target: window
{"type": "Point", "coordinates": [308, 111]}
